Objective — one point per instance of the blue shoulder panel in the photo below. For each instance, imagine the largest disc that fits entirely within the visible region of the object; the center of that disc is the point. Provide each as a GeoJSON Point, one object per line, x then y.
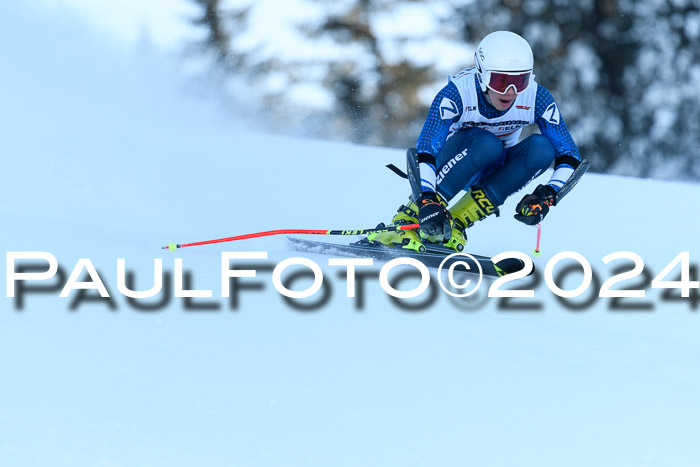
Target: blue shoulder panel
{"type": "Point", "coordinates": [552, 126]}
{"type": "Point", "coordinates": [447, 108]}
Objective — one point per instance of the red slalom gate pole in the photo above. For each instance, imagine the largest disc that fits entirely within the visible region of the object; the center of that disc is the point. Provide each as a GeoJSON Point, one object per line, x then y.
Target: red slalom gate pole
{"type": "Point", "coordinates": [393, 228]}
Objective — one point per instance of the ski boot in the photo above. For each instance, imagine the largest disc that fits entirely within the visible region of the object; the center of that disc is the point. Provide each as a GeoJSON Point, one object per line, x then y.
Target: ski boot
{"type": "Point", "coordinates": [406, 214]}
{"type": "Point", "coordinates": [472, 207]}
{"type": "Point", "coordinates": [411, 238]}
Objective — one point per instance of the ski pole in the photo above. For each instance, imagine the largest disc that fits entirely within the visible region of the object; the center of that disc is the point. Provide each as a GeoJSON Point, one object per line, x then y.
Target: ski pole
{"type": "Point", "coordinates": [393, 228]}
{"type": "Point", "coordinates": [537, 251]}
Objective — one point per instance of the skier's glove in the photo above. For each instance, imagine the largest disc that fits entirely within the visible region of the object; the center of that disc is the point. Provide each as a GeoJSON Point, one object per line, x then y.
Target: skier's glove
{"type": "Point", "coordinates": [434, 219]}
{"type": "Point", "coordinates": [533, 207]}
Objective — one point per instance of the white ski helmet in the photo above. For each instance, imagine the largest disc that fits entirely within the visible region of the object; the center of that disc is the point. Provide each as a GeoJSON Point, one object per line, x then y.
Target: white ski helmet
{"type": "Point", "coordinates": [504, 53]}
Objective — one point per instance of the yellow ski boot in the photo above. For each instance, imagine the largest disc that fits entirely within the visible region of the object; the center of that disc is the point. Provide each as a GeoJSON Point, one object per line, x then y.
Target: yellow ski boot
{"type": "Point", "coordinates": [410, 238]}
{"type": "Point", "coordinates": [406, 214]}
{"type": "Point", "coordinates": [472, 207]}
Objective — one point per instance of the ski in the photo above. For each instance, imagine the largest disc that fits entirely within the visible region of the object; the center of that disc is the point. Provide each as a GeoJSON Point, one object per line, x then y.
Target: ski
{"type": "Point", "coordinates": [433, 257]}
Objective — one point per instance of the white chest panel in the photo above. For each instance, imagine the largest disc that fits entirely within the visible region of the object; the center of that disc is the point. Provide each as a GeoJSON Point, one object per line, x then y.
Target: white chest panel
{"type": "Point", "coordinates": [508, 126]}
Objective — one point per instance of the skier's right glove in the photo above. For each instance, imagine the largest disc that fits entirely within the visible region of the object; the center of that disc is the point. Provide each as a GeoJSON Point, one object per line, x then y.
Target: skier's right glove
{"type": "Point", "coordinates": [433, 217]}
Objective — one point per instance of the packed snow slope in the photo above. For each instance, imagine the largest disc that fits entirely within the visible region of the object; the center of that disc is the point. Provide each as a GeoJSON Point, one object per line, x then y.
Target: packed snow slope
{"type": "Point", "coordinates": [103, 159]}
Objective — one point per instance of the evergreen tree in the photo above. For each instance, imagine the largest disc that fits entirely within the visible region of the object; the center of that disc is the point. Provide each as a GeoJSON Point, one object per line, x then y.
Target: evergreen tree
{"type": "Point", "coordinates": [624, 72]}
{"type": "Point", "coordinates": [662, 102]}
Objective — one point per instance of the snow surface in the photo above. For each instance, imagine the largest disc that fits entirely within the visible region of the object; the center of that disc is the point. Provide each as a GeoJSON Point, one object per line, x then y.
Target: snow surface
{"type": "Point", "coordinates": [105, 159]}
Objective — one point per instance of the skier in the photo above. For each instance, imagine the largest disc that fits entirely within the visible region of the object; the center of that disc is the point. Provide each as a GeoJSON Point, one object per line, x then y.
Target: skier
{"type": "Point", "coordinates": [470, 141]}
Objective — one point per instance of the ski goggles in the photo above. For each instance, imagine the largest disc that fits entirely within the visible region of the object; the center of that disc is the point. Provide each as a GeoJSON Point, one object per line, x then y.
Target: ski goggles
{"type": "Point", "coordinates": [500, 82]}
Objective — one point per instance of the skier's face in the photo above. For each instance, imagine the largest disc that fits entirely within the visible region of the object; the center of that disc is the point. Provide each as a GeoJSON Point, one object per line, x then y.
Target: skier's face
{"type": "Point", "coordinates": [502, 101]}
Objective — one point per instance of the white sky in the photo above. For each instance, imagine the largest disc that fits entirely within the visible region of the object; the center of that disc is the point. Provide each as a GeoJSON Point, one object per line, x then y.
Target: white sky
{"type": "Point", "coordinates": [163, 22]}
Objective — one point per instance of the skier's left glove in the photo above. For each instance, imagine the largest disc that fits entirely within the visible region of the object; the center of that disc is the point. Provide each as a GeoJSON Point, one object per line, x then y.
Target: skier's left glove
{"type": "Point", "coordinates": [533, 207]}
